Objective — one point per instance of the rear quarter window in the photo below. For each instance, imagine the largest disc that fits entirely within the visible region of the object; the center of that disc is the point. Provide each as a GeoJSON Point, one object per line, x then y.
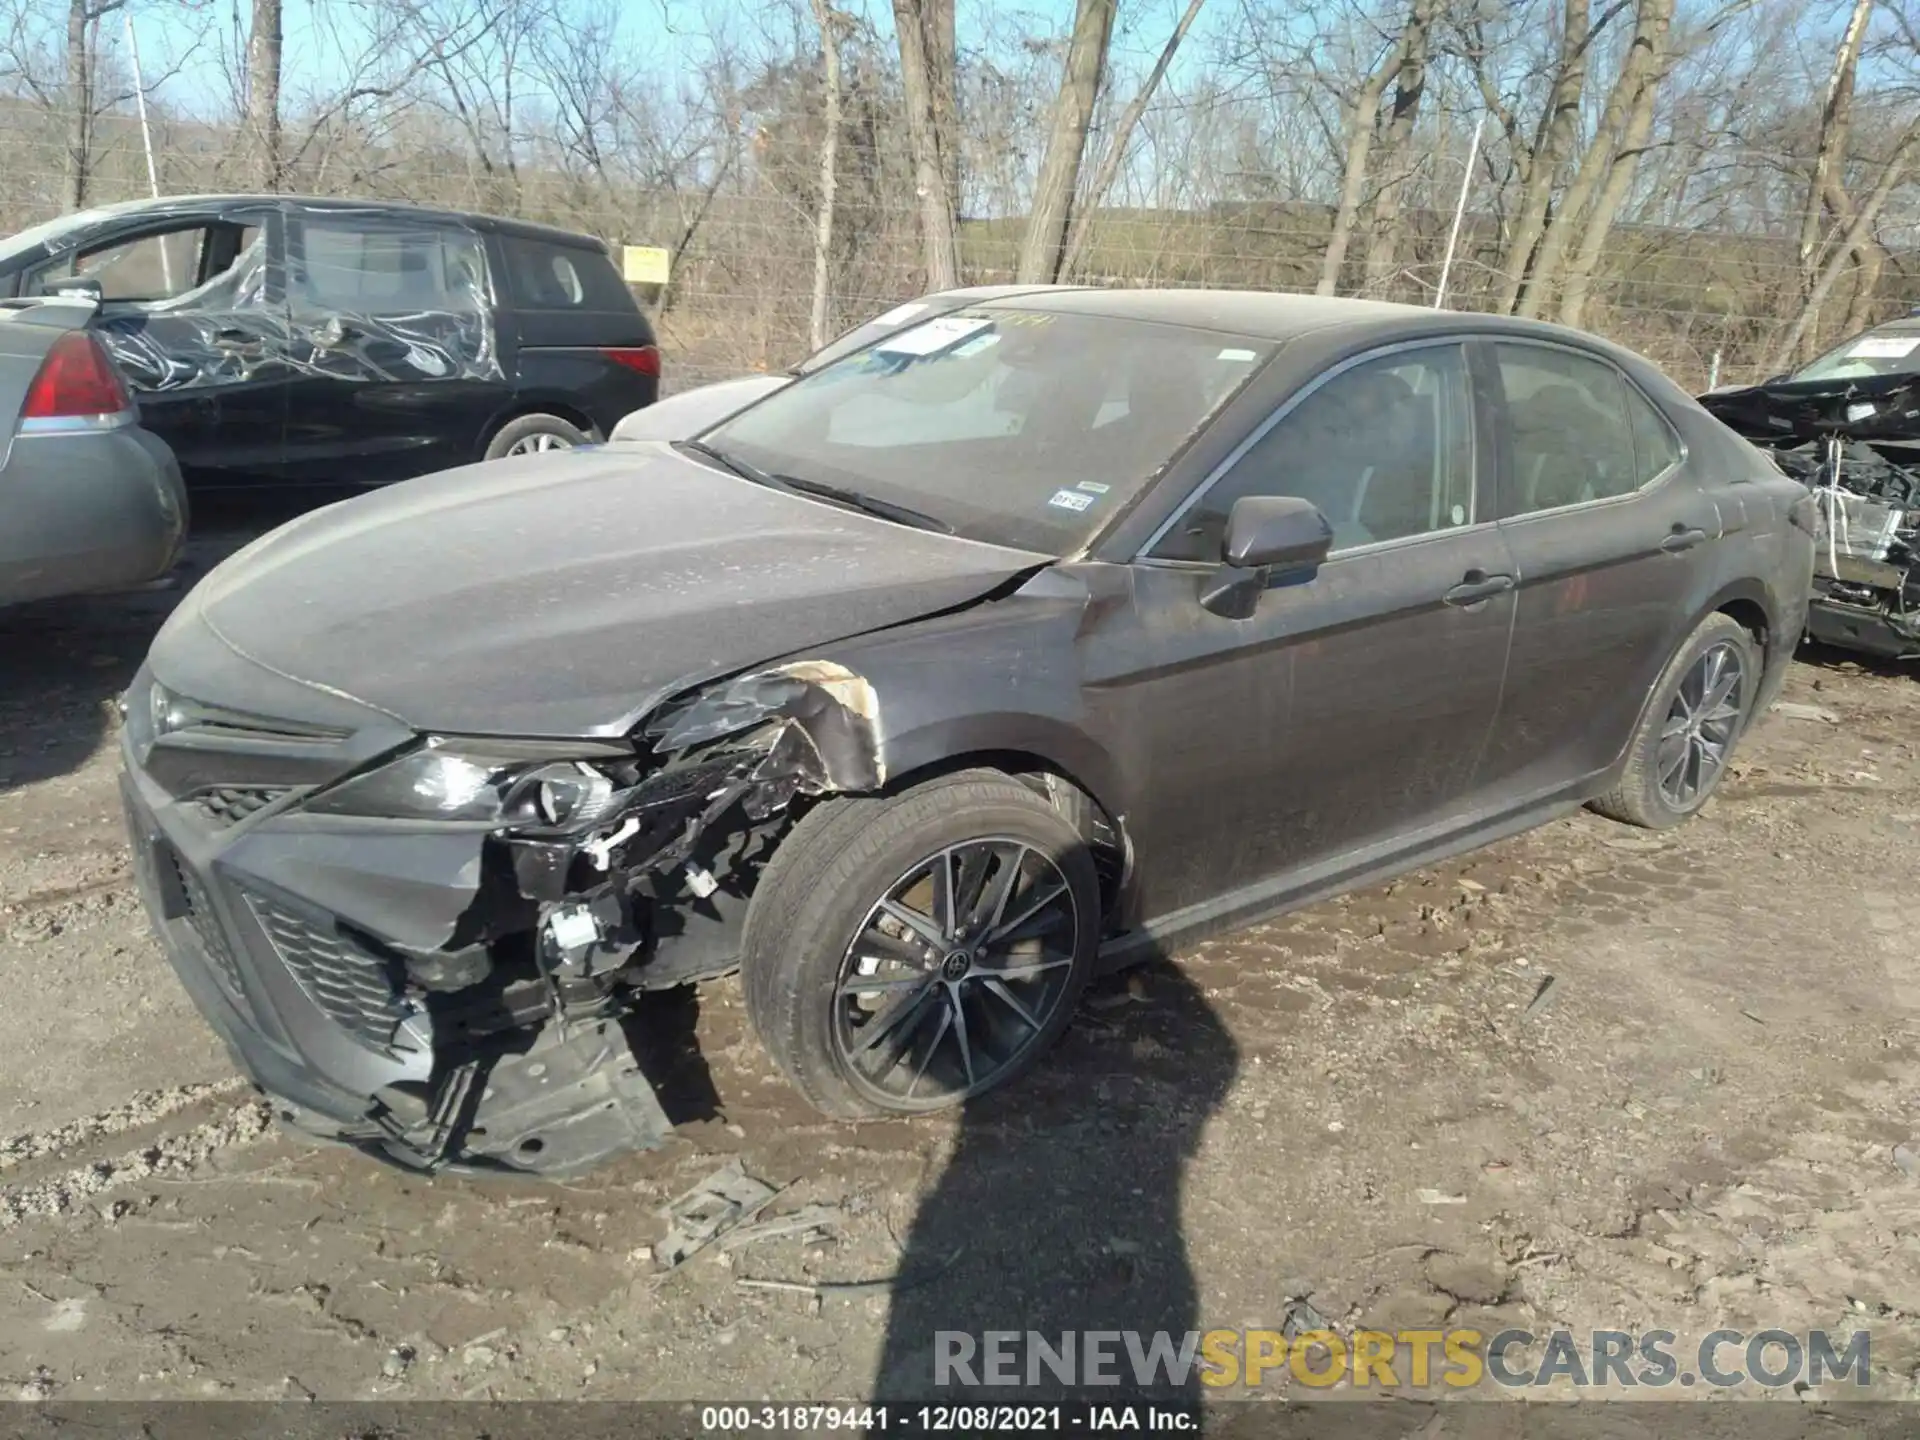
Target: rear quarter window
{"type": "Point", "coordinates": [547, 276]}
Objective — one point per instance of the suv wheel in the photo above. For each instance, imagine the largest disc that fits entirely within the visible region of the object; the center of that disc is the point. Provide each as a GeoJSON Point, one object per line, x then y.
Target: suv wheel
{"type": "Point", "coordinates": [909, 952]}
{"type": "Point", "coordinates": [531, 434]}
{"type": "Point", "coordinates": [1698, 710]}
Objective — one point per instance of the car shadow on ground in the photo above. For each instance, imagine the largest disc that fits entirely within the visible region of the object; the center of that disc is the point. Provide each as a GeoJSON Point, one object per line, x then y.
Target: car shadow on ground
{"type": "Point", "coordinates": [1059, 1211]}
{"type": "Point", "coordinates": [1831, 657]}
{"type": "Point", "coordinates": [64, 663]}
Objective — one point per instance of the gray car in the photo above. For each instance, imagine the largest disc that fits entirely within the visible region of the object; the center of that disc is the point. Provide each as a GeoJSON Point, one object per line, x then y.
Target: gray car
{"type": "Point", "coordinates": [92, 501]}
{"type": "Point", "coordinates": [1052, 633]}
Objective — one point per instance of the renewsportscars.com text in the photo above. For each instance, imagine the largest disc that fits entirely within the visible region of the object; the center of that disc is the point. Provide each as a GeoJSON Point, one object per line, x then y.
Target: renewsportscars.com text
{"type": "Point", "coordinates": [1460, 1358]}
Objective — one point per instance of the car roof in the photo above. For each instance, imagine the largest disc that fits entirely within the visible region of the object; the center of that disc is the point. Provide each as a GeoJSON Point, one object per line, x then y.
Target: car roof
{"type": "Point", "coordinates": [1279, 317]}
{"type": "Point", "coordinates": [165, 205]}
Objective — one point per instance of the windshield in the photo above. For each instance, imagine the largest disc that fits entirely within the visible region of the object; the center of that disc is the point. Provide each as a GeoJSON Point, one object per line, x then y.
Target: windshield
{"type": "Point", "coordinates": [1878, 352]}
{"type": "Point", "coordinates": [1019, 427]}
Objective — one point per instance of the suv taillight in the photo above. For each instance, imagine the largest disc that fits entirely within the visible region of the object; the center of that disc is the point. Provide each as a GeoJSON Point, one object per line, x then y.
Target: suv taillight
{"type": "Point", "coordinates": [76, 389]}
{"type": "Point", "coordinates": [642, 359]}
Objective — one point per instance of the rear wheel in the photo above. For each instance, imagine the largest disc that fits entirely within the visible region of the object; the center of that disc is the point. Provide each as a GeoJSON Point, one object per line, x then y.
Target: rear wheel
{"type": "Point", "coordinates": [532, 434]}
{"type": "Point", "coordinates": [1686, 737]}
{"type": "Point", "coordinates": [906, 953]}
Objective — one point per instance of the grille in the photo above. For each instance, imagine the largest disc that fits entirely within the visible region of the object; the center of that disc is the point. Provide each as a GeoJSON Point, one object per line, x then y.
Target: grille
{"type": "Point", "coordinates": [206, 925]}
{"type": "Point", "coordinates": [348, 983]}
{"type": "Point", "coordinates": [230, 804]}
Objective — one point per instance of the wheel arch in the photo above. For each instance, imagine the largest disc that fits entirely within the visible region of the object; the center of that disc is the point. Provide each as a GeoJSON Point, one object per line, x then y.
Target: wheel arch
{"type": "Point", "coordinates": [558, 406]}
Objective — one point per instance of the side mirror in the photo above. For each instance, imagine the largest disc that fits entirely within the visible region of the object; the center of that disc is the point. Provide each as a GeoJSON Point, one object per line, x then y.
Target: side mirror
{"type": "Point", "coordinates": [1265, 534]}
{"type": "Point", "coordinates": [73, 287]}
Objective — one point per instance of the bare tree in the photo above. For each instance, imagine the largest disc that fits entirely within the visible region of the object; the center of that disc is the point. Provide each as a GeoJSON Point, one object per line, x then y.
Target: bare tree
{"type": "Point", "coordinates": [1115, 153]}
{"type": "Point", "coordinates": [83, 44]}
{"type": "Point", "coordinates": [263, 88]}
{"type": "Point", "coordinates": [1044, 246]}
{"type": "Point", "coordinates": [1385, 232]}
{"type": "Point", "coordinates": [829, 24]}
{"type": "Point", "coordinates": [924, 29]}
{"type": "Point", "coordinates": [1633, 87]}
{"type": "Point", "coordinates": [1362, 122]}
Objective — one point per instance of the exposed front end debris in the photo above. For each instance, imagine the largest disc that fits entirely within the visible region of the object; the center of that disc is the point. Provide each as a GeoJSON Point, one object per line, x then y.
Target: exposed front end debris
{"type": "Point", "coordinates": [570, 923]}
{"type": "Point", "coordinates": [1856, 444]}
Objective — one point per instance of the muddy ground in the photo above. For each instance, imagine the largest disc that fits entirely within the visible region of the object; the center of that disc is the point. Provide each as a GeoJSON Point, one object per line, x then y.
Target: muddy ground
{"type": "Point", "coordinates": [1588, 1078]}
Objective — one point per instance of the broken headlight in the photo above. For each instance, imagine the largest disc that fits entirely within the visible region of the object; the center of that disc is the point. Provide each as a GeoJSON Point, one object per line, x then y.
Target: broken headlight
{"type": "Point", "coordinates": [471, 781]}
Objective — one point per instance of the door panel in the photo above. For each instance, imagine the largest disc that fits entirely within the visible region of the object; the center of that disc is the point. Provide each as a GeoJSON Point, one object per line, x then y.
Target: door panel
{"type": "Point", "coordinates": [1349, 708]}
{"type": "Point", "coordinates": [196, 321]}
{"type": "Point", "coordinates": [1608, 531]}
{"type": "Point", "coordinates": [1346, 709]}
{"type": "Point", "coordinates": [397, 356]}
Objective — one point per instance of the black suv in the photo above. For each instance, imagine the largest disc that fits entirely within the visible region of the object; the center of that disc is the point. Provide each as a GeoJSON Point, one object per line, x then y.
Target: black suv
{"type": "Point", "coordinates": [281, 340]}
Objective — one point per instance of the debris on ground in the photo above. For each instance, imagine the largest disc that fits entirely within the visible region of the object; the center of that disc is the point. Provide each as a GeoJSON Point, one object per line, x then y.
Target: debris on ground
{"type": "Point", "coordinates": [1908, 1160]}
{"type": "Point", "coordinates": [1427, 1195]}
{"type": "Point", "coordinates": [725, 1200]}
{"type": "Point", "coordinates": [1302, 1318]}
{"type": "Point", "coordinates": [1793, 710]}
{"type": "Point", "coordinates": [1547, 992]}
{"type": "Point", "coordinates": [810, 1220]}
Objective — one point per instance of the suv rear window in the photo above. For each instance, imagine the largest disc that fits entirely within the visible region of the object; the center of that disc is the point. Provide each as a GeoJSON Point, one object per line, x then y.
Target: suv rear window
{"type": "Point", "coordinates": [387, 270]}
{"type": "Point", "coordinates": [547, 276]}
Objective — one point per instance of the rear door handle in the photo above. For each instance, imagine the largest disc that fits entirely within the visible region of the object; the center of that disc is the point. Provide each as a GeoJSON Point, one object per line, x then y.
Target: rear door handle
{"type": "Point", "coordinates": [1476, 586]}
{"type": "Point", "coordinates": [1682, 538]}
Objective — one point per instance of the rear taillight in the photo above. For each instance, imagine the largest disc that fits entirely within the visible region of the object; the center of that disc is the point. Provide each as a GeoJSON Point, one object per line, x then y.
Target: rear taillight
{"type": "Point", "coordinates": [641, 359]}
{"type": "Point", "coordinates": [75, 389]}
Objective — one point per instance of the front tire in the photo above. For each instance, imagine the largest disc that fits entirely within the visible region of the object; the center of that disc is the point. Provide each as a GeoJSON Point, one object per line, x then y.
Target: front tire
{"type": "Point", "coordinates": [909, 952]}
{"type": "Point", "coordinates": [1696, 714]}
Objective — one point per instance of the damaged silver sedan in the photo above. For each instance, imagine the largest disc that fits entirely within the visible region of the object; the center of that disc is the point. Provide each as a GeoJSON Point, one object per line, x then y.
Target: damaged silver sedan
{"type": "Point", "coordinates": [1047, 633]}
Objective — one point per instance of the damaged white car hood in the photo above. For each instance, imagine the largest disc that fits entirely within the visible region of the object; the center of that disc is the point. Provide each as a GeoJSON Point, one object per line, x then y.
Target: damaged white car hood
{"type": "Point", "coordinates": [563, 594]}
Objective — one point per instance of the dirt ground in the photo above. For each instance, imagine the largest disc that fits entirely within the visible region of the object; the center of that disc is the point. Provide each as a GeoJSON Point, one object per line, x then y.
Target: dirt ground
{"type": "Point", "coordinates": [1588, 1078]}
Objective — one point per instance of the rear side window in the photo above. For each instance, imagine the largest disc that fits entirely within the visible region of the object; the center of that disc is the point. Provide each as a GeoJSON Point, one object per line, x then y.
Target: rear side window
{"type": "Point", "coordinates": [1579, 431]}
{"type": "Point", "coordinates": [546, 276]}
{"type": "Point", "coordinates": [389, 270]}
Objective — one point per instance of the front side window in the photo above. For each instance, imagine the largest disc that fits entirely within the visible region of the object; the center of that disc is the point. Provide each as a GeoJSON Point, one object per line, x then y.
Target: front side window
{"type": "Point", "coordinates": [1572, 429]}
{"type": "Point", "coordinates": [389, 270]}
{"type": "Point", "coordinates": [1384, 449]}
{"type": "Point", "coordinates": [151, 267]}
{"type": "Point", "coordinates": [1026, 428]}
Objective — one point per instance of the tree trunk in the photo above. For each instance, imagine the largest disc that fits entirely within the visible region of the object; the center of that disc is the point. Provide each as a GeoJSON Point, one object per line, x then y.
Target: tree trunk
{"type": "Point", "coordinates": [943, 51]}
{"type": "Point", "coordinates": [1116, 152]}
{"type": "Point", "coordinates": [1360, 126]}
{"type": "Point", "coordinates": [79, 96]}
{"type": "Point", "coordinates": [1385, 237]}
{"type": "Point", "coordinates": [1638, 69]}
{"type": "Point", "coordinates": [1656, 25]}
{"type": "Point", "coordinates": [932, 180]}
{"type": "Point", "coordinates": [1552, 144]}
{"type": "Point", "coordinates": [829, 175]}
{"type": "Point", "coordinates": [263, 89]}
{"type": "Point", "coordinates": [1826, 186]}
{"type": "Point", "coordinates": [1855, 236]}
{"type": "Point", "coordinates": [1043, 249]}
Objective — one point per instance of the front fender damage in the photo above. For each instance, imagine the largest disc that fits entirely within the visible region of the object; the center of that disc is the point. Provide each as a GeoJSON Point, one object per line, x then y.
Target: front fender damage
{"type": "Point", "coordinates": [570, 926]}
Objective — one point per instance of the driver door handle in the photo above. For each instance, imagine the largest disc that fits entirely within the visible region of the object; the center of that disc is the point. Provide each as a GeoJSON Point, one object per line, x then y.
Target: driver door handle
{"type": "Point", "coordinates": [1682, 538]}
{"type": "Point", "coordinates": [1477, 585]}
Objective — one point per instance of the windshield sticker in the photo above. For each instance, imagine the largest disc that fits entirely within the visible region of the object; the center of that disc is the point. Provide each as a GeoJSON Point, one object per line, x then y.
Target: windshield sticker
{"type": "Point", "coordinates": [1240, 355]}
{"type": "Point", "coordinates": [899, 315]}
{"type": "Point", "coordinates": [933, 337]}
{"type": "Point", "coordinates": [1070, 500]}
{"type": "Point", "coordinates": [976, 345]}
{"type": "Point", "coordinates": [1884, 347]}
{"type": "Point", "coordinates": [1093, 487]}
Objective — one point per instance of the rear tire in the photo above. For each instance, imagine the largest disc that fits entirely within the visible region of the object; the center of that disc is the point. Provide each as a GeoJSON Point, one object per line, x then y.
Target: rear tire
{"type": "Point", "coordinates": [1694, 718]}
{"type": "Point", "coordinates": [962, 999]}
{"type": "Point", "coordinates": [531, 434]}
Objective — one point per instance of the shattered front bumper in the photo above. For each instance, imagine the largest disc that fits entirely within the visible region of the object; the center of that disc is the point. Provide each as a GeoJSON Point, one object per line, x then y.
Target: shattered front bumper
{"type": "Point", "coordinates": [269, 918]}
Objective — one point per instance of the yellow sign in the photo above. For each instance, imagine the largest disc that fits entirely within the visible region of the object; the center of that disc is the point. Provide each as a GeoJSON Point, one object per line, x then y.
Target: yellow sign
{"type": "Point", "coordinates": [645, 264]}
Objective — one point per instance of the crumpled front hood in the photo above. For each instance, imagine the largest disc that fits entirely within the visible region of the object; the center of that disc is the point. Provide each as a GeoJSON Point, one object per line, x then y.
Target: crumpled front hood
{"type": "Point", "coordinates": [1792, 412]}
{"type": "Point", "coordinates": [560, 594]}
